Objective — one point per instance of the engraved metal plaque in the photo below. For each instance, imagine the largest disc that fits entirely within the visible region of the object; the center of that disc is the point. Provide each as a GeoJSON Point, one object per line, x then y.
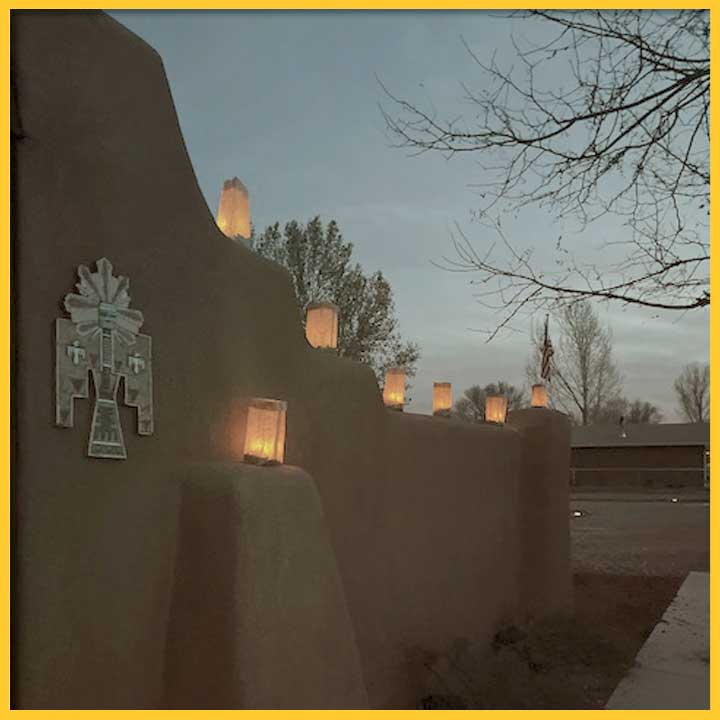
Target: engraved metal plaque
{"type": "Point", "coordinates": [101, 339]}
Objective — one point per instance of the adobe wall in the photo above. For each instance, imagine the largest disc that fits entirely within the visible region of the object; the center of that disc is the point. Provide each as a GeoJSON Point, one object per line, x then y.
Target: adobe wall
{"type": "Point", "coordinates": [448, 530]}
{"type": "Point", "coordinates": [258, 617]}
{"type": "Point", "coordinates": [419, 514]}
{"type": "Point", "coordinates": [544, 508]}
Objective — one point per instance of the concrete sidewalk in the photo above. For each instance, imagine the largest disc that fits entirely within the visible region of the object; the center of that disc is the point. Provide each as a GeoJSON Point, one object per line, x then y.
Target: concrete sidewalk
{"type": "Point", "coordinates": [672, 669]}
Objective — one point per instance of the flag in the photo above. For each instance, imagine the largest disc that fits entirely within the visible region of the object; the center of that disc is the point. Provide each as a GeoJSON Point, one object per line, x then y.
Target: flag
{"type": "Point", "coordinates": [547, 353]}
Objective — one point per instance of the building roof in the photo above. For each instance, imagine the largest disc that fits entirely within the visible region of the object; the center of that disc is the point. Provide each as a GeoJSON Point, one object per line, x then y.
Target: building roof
{"type": "Point", "coordinates": [645, 435]}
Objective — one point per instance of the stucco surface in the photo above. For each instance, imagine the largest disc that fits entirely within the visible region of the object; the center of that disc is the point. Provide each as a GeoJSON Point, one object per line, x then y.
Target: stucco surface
{"type": "Point", "coordinates": [544, 506]}
{"type": "Point", "coordinates": [419, 511]}
{"type": "Point", "coordinates": [258, 617]}
{"type": "Point", "coordinates": [448, 530]}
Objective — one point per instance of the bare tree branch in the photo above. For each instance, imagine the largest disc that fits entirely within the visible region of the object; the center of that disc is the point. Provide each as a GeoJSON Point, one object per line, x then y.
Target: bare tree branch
{"type": "Point", "coordinates": [625, 133]}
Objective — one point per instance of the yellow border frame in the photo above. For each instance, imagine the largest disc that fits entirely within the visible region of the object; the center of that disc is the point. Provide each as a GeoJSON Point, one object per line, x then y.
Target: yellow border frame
{"type": "Point", "coordinates": [712, 5]}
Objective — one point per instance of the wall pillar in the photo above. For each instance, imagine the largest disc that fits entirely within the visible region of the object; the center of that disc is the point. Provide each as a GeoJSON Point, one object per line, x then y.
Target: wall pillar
{"type": "Point", "coordinates": [258, 618]}
{"type": "Point", "coordinates": [544, 508]}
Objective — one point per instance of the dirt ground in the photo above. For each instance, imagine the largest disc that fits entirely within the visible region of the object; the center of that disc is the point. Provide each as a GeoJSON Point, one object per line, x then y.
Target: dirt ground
{"type": "Point", "coordinates": [560, 663]}
{"type": "Point", "coordinates": [629, 559]}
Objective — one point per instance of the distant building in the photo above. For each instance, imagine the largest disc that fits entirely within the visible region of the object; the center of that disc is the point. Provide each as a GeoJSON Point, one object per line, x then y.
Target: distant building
{"type": "Point", "coordinates": [233, 215]}
{"type": "Point", "coordinates": [662, 455]}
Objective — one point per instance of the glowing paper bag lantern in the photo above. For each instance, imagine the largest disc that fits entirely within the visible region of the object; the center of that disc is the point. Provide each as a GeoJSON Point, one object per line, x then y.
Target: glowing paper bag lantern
{"type": "Point", "coordinates": [495, 409]}
{"type": "Point", "coordinates": [442, 398]}
{"type": "Point", "coordinates": [539, 396]}
{"type": "Point", "coordinates": [321, 325]}
{"type": "Point", "coordinates": [265, 431]}
{"type": "Point", "coordinates": [233, 215]}
{"type": "Point", "coordinates": [394, 390]}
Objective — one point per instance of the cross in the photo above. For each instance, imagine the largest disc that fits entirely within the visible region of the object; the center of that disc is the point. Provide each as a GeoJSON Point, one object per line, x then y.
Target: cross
{"type": "Point", "coordinates": [75, 352]}
{"type": "Point", "coordinates": [136, 363]}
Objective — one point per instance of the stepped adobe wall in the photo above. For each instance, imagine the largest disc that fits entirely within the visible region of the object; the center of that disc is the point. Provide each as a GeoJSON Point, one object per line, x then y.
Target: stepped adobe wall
{"type": "Point", "coordinates": [180, 577]}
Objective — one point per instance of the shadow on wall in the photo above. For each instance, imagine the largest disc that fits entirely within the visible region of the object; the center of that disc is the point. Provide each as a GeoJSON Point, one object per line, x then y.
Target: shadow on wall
{"type": "Point", "coordinates": [129, 576]}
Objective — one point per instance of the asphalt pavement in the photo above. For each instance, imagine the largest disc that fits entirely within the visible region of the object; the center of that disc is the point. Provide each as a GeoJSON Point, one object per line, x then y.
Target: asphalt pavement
{"type": "Point", "coordinates": [621, 534]}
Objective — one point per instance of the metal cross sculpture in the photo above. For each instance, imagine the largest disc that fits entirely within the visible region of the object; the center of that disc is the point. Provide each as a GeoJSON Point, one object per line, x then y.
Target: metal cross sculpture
{"type": "Point", "coordinates": [101, 337]}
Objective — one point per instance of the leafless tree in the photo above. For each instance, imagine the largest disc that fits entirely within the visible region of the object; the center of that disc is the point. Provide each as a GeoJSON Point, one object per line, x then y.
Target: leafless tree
{"type": "Point", "coordinates": [692, 388]}
{"type": "Point", "coordinates": [471, 406]}
{"type": "Point", "coordinates": [610, 116]}
{"type": "Point", "coordinates": [585, 382]}
{"type": "Point", "coordinates": [641, 411]}
{"type": "Point", "coordinates": [635, 412]}
{"type": "Point", "coordinates": [610, 412]}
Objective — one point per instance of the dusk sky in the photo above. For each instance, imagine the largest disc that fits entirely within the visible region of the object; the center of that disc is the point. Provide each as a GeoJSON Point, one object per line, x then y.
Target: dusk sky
{"type": "Point", "coordinates": [288, 102]}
